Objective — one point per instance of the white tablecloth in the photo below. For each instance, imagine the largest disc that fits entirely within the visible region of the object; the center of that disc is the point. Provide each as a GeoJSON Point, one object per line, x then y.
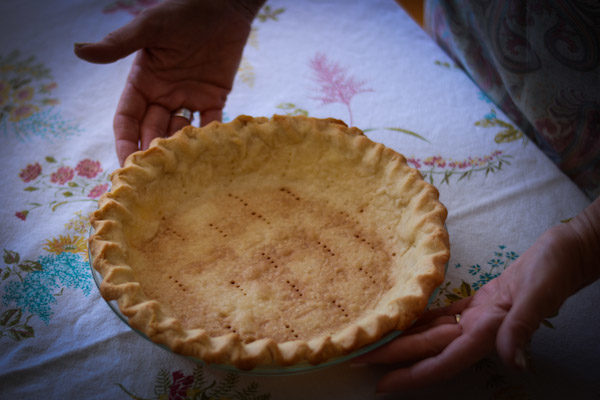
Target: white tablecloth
{"type": "Point", "coordinates": [365, 62]}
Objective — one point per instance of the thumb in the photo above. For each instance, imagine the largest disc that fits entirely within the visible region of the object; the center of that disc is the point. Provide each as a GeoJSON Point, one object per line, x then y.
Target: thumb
{"type": "Point", "coordinates": [515, 332]}
{"type": "Point", "coordinates": [116, 45]}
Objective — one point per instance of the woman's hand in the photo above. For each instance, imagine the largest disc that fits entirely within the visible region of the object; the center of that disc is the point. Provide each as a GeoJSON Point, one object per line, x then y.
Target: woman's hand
{"type": "Point", "coordinates": [190, 52]}
{"type": "Point", "coordinates": [502, 315]}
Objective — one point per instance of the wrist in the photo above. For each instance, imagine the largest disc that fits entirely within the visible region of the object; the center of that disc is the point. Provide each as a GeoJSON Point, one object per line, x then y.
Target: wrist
{"type": "Point", "coordinates": [585, 230]}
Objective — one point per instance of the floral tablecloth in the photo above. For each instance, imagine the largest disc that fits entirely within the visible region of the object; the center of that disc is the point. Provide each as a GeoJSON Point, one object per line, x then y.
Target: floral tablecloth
{"type": "Point", "coordinates": [366, 63]}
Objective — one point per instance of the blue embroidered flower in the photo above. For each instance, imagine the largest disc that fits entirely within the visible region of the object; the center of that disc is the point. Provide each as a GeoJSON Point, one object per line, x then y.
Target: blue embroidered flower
{"type": "Point", "coordinates": [484, 97]}
{"type": "Point", "coordinates": [474, 269]}
{"type": "Point", "coordinates": [483, 279]}
{"type": "Point", "coordinates": [35, 293]}
{"type": "Point", "coordinates": [491, 115]}
{"type": "Point", "coordinates": [511, 255]}
{"type": "Point", "coordinates": [495, 262]}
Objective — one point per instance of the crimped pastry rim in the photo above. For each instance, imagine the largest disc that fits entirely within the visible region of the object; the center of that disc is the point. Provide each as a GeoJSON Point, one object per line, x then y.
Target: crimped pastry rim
{"type": "Point", "coordinates": [147, 316]}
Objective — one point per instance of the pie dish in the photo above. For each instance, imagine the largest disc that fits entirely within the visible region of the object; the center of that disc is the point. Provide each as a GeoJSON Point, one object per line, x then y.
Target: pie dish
{"type": "Point", "coordinates": [265, 242]}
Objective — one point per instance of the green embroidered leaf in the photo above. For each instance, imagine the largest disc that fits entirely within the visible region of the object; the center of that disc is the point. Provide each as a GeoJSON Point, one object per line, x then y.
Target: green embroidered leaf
{"type": "Point", "coordinates": [21, 333]}
{"type": "Point", "coordinates": [408, 133]}
{"type": "Point", "coordinates": [286, 106]}
{"type": "Point", "coordinates": [465, 289]}
{"type": "Point", "coordinates": [30, 266]}
{"type": "Point", "coordinates": [55, 206]}
{"type": "Point", "coordinates": [67, 194]}
{"type": "Point", "coordinates": [163, 383]}
{"type": "Point", "coordinates": [198, 375]}
{"type": "Point", "coordinates": [451, 297]}
{"type": "Point", "coordinates": [466, 174]}
{"type": "Point", "coordinates": [6, 274]}
{"type": "Point", "coordinates": [508, 135]}
{"type": "Point", "coordinates": [30, 189]}
{"type": "Point", "coordinates": [11, 257]}
{"type": "Point", "coordinates": [50, 159]}
{"type": "Point", "coordinates": [73, 184]}
{"type": "Point", "coordinates": [11, 317]}
{"type": "Point", "coordinates": [225, 387]}
{"type": "Point", "coordinates": [248, 392]}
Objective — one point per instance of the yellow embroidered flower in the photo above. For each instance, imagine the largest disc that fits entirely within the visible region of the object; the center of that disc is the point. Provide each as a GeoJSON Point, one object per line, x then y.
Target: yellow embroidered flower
{"type": "Point", "coordinates": [4, 92]}
{"type": "Point", "coordinates": [22, 112]}
{"type": "Point", "coordinates": [79, 224]}
{"type": "Point", "coordinates": [66, 244]}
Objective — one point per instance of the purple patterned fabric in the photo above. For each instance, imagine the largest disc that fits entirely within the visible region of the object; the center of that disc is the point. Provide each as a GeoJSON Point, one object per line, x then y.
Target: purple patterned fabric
{"type": "Point", "coordinates": [539, 61]}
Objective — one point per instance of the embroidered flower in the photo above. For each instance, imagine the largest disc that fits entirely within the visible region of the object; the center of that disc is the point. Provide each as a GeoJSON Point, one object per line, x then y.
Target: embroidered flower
{"type": "Point", "coordinates": [474, 269]}
{"type": "Point", "coordinates": [88, 168]}
{"type": "Point", "coordinates": [62, 175]}
{"type": "Point", "coordinates": [30, 172]}
{"type": "Point", "coordinates": [23, 95]}
{"type": "Point", "coordinates": [4, 92]}
{"type": "Point", "coordinates": [496, 262]}
{"type": "Point", "coordinates": [22, 214]}
{"type": "Point", "coordinates": [79, 224]}
{"type": "Point", "coordinates": [62, 244]}
{"type": "Point", "coordinates": [415, 162]}
{"type": "Point", "coordinates": [22, 112]}
{"type": "Point", "coordinates": [98, 190]}
{"type": "Point", "coordinates": [179, 387]}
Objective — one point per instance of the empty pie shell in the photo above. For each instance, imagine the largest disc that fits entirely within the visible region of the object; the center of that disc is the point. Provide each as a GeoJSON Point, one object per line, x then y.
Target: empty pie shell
{"type": "Point", "coordinates": [269, 242]}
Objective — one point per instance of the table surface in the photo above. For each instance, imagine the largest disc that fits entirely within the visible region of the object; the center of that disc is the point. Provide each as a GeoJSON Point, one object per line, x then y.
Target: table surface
{"type": "Point", "coordinates": [59, 338]}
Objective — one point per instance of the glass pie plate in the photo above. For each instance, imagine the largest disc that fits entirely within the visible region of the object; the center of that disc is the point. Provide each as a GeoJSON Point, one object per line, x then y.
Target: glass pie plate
{"type": "Point", "coordinates": [274, 370]}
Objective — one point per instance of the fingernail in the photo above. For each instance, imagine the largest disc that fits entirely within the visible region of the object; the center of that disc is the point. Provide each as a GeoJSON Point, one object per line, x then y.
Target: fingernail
{"type": "Point", "coordinates": [521, 359]}
{"type": "Point", "coordinates": [80, 45]}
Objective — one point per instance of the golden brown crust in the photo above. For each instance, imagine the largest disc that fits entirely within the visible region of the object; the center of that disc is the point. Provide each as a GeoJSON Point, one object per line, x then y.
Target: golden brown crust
{"type": "Point", "coordinates": [297, 213]}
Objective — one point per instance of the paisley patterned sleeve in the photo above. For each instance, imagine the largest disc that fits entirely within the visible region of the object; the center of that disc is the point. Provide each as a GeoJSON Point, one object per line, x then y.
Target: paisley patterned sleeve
{"type": "Point", "coordinates": [540, 63]}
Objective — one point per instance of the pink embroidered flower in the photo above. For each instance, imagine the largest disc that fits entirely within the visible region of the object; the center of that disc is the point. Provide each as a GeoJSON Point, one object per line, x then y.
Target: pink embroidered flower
{"type": "Point", "coordinates": [415, 162]}
{"type": "Point", "coordinates": [179, 387]}
{"type": "Point", "coordinates": [23, 95]}
{"type": "Point", "coordinates": [62, 175]}
{"type": "Point", "coordinates": [88, 168]}
{"type": "Point", "coordinates": [22, 214]}
{"type": "Point", "coordinates": [30, 172]}
{"type": "Point", "coordinates": [98, 190]}
{"type": "Point", "coordinates": [336, 86]}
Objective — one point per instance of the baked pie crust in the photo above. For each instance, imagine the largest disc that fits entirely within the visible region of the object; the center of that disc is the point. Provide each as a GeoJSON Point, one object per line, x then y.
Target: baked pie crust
{"type": "Point", "coordinates": [269, 242]}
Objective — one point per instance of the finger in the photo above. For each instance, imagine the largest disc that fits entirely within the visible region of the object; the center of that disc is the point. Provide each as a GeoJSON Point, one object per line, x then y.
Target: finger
{"type": "Point", "coordinates": [453, 309]}
{"type": "Point", "coordinates": [414, 347]}
{"type": "Point", "coordinates": [196, 96]}
{"type": "Point", "coordinates": [463, 352]}
{"type": "Point", "coordinates": [177, 123]}
{"type": "Point", "coordinates": [116, 45]}
{"type": "Point", "coordinates": [209, 116]}
{"type": "Point", "coordinates": [515, 332]}
{"type": "Point", "coordinates": [155, 124]}
{"type": "Point", "coordinates": [127, 121]}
